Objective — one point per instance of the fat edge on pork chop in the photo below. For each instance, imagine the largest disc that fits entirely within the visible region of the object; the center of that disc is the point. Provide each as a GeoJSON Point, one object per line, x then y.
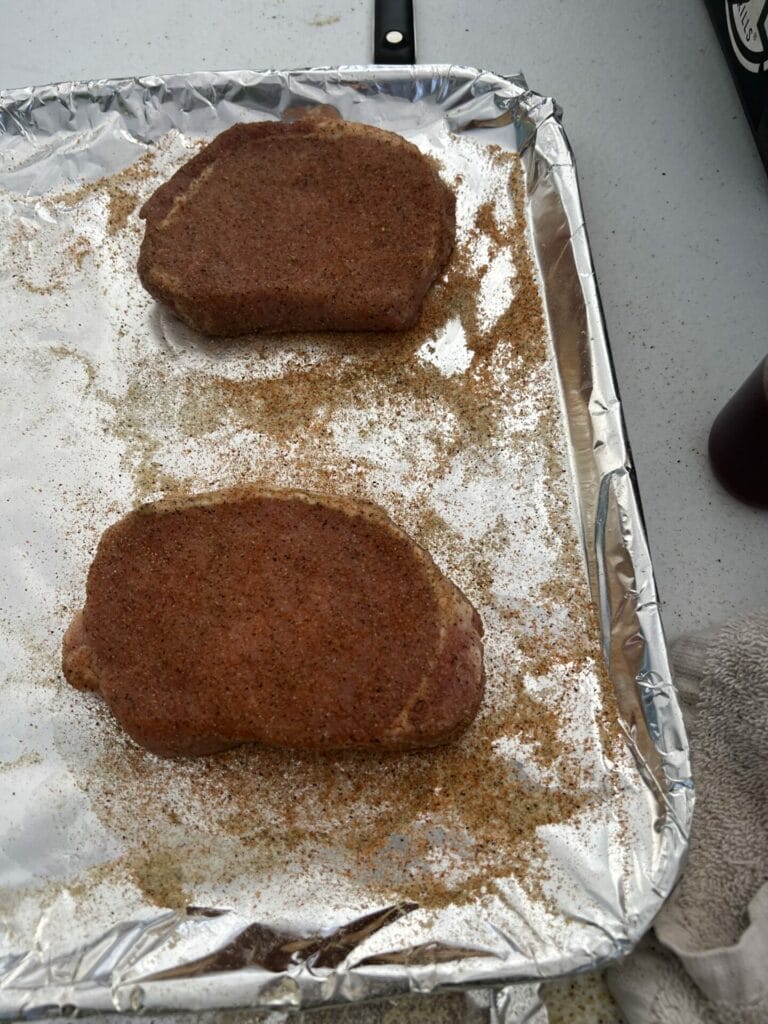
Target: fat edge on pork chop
{"type": "Point", "coordinates": [311, 224]}
{"type": "Point", "coordinates": [278, 617]}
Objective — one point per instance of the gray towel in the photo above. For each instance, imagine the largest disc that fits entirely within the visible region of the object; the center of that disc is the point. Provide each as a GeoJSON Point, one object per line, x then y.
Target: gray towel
{"type": "Point", "coordinates": [709, 964]}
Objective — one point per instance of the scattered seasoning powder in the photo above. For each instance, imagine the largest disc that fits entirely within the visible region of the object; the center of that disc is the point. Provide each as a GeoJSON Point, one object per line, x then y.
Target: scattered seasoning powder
{"type": "Point", "coordinates": [52, 275]}
{"type": "Point", "coordinates": [436, 827]}
{"type": "Point", "coordinates": [380, 417]}
{"type": "Point", "coordinates": [120, 189]}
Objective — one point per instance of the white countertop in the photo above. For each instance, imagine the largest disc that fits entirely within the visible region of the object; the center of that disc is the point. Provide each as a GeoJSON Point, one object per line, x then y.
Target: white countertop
{"type": "Point", "coordinates": [675, 194]}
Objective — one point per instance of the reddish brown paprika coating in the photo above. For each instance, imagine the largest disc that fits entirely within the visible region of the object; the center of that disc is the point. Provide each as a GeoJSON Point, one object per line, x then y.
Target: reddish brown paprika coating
{"type": "Point", "coordinates": [314, 224]}
{"type": "Point", "coordinates": [278, 617]}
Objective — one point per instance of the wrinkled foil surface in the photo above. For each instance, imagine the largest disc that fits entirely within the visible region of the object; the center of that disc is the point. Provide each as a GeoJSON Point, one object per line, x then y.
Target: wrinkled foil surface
{"type": "Point", "coordinates": [78, 335]}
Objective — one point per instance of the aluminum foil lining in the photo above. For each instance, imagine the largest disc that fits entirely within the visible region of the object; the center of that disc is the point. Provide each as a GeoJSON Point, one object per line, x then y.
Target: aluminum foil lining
{"type": "Point", "coordinates": [131, 884]}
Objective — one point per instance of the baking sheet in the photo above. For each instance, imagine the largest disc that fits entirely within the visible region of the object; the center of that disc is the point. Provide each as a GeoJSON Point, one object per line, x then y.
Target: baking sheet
{"type": "Point", "coordinates": [545, 840]}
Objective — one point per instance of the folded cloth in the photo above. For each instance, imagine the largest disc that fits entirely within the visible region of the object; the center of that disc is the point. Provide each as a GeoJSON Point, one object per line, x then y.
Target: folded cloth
{"type": "Point", "coordinates": [709, 964]}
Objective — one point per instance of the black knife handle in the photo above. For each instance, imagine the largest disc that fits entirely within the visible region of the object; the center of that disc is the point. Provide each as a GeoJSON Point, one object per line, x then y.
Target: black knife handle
{"type": "Point", "coordinates": [393, 32]}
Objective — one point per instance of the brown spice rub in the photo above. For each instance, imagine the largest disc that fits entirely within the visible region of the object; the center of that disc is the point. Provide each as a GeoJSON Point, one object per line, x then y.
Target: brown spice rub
{"type": "Point", "coordinates": [442, 825]}
{"type": "Point", "coordinates": [274, 616]}
{"type": "Point", "coordinates": [315, 224]}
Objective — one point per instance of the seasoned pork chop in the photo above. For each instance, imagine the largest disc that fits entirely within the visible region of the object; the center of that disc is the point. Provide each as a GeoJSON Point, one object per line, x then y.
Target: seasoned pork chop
{"type": "Point", "coordinates": [278, 617]}
{"type": "Point", "coordinates": [315, 224]}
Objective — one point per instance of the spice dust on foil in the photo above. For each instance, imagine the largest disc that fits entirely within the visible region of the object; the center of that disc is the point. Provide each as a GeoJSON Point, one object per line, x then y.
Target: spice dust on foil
{"type": "Point", "coordinates": [455, 428]}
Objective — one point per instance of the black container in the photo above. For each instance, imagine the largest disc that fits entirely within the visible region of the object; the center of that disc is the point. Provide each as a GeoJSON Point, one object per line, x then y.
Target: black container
{"type": "Point", "coordinates": [742, 29]}
{"type": "Point", "coordinates": [738, 441]}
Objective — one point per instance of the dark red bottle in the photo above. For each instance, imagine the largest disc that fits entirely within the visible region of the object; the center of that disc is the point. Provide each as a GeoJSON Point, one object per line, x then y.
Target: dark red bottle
{"type": "Point", "coordinates": [738, 441]}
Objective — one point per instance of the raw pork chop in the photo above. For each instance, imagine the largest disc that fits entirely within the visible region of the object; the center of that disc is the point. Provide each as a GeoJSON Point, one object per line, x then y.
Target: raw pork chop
{"type": "Point", "coordinates": [314, 224]}
{"type": "Point", "coordinates": [278, 617]}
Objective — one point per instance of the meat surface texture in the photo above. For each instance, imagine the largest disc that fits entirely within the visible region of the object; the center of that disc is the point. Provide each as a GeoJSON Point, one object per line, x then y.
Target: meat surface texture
{"type": "Point", "coordinates": [279, 617]}
{"type": "Point", "coordinates": [311, 224]}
